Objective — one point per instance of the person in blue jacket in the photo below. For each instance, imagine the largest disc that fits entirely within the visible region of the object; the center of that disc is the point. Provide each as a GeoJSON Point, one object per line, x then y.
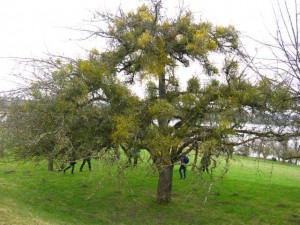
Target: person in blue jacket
{"type": "Point", "coordinates": [182, 169]}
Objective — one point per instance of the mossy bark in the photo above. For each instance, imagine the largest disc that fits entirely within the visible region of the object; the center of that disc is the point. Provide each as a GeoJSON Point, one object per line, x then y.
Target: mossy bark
{"type": "Point", "coordinates": [164, 189]}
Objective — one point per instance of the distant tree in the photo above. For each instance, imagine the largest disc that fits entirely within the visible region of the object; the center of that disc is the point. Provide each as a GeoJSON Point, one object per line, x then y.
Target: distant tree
{"type": "Point", "coordinates": [3, 111]}
{"type": "Point", "coordinates": [69, 110]}
{"type": "Point", "coordinates": [280, 64]}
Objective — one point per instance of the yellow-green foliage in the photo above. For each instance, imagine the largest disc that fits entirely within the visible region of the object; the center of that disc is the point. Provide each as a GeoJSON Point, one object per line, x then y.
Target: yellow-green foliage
{"type": "Point", "coordinates": [160, 143]}
{"type": "Point", "coordinates": [144, 40]}
{"type": "Point", "coordinates": [161, 109]}
{"type": "Point", "coordinates": [124, 129]}
{"type": "Point", "coordinates": [144, 14]}
{"type": "Point", "coordinates": [152, 43]}
{"type": "Point", "coordinates": [193, 85]}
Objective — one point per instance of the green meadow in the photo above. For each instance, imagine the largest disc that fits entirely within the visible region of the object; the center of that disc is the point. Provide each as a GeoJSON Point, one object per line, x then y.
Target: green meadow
{"type": "Point", "coordinates": [252, 192]}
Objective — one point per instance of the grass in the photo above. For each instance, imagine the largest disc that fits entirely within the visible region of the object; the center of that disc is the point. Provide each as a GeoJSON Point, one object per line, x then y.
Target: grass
{"type": "Point", "coordinates": [252, 192]}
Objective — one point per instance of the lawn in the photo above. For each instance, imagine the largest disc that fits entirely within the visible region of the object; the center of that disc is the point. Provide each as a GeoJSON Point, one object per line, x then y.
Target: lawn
{"type": "Point", "coordinates": [252, 192]}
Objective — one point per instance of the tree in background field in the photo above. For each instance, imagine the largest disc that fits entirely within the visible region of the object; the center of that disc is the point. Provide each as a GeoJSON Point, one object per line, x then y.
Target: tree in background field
{"type": "Point", "coordinates": [281, 64]}
{"type": "Point", "coordinates": [68, 111]}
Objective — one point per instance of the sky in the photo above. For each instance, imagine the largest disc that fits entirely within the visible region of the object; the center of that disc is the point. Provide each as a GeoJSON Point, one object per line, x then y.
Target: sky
{"type": "Point", "coordinates": [33, 28]}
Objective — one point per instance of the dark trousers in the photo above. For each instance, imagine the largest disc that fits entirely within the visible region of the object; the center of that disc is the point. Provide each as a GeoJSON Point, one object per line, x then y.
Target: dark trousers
{"type": "Point", "coordinates": [72, 166]}
{"type": "Point", "coordinates": [182, 168]}
{"type": "Point", "coordinates": [205, 162]}
{"type": "Point", "coordinates": [88, 160]}
{"type": "Point", "coordinates": [205, 168]}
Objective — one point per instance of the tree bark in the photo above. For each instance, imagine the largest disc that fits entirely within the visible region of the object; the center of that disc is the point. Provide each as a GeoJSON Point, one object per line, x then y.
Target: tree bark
{"type": "Point", "coordinates": [50, 164]}
{"type": "Point", "coordinates": [196, 158]}
{"type": "Point", "coordinates": [162, 89]}
{"type": "Point", "coordinates": [164, 188]}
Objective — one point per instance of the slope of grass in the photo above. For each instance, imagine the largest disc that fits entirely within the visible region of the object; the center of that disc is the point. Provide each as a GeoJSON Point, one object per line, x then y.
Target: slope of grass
{"type": "Point", "coordinates": [252, 192]}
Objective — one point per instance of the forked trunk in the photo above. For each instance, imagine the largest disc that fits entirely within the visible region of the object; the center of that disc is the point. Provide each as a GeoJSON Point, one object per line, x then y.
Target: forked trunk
{"type": "Point", "coordinates": [164, 189]}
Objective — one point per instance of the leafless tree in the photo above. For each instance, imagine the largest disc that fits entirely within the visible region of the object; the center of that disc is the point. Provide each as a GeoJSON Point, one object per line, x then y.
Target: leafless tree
{"type": "Point", "coordinates": [278, 59]}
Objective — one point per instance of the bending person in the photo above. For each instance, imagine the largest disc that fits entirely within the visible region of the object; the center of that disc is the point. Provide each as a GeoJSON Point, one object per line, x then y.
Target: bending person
{"type": "Point", "coordinates": [72, 163]}
{"type": "Point", "coordinates": [88, 160]}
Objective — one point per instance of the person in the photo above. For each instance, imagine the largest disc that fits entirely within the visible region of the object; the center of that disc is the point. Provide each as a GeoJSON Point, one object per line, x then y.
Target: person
{"type": "Point", "coordinates": [136, 155]}
{"type": "Point", "coordinates": [88, 160]}
{"type": "Point", "coordinates": [72, 163]}
{"type": "Point", "coordinates": [205, 162]}
{"type": "Point", "coordinates": [182, 169]}
{"type": "Point", "coordinates": [72, 166]}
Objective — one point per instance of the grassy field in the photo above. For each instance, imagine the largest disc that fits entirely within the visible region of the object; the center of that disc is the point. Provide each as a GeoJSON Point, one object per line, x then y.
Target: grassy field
{"type": "Point", "coordinates": [252, 192]}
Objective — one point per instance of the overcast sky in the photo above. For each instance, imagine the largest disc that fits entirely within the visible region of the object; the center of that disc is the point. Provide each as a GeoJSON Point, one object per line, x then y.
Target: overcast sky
{"type": "Point", "coordinates": [30, 28]}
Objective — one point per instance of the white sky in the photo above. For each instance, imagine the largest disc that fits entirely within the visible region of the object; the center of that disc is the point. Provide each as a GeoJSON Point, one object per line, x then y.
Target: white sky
{"type": "Point", "coordinates": [30, 28]}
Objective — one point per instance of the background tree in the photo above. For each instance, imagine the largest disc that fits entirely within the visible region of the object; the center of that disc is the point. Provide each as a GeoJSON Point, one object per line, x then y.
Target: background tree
{"type": "Point", "coordinates": [278, 61]}
{"type": "Point", "coordinates": [69, 110]}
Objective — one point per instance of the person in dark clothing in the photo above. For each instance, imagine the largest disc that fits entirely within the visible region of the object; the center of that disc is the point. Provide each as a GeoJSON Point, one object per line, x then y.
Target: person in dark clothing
{"type": "Point", "coordinates": [182, 169]}
{"type": "Point", "coordinates": [88, 160]}
{"type": "Point", "coordinates": [72, 162]}
{"type": "Point", "coordinates": [72, 166]}
{"type": "Point", "coordinates": [136, 155]}
{"type": "Point", "coordinates": [205, 162]}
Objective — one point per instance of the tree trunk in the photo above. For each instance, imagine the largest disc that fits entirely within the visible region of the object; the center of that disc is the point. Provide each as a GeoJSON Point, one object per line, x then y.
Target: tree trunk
{"type": "Point", "coordinates": [196, 158]}
{"type": "Point", "coordinates": [164, 189]}
{"type": "Point", "coordinates": [162, 90]}
{"type": "Point", "coordinates": [50, 164]}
